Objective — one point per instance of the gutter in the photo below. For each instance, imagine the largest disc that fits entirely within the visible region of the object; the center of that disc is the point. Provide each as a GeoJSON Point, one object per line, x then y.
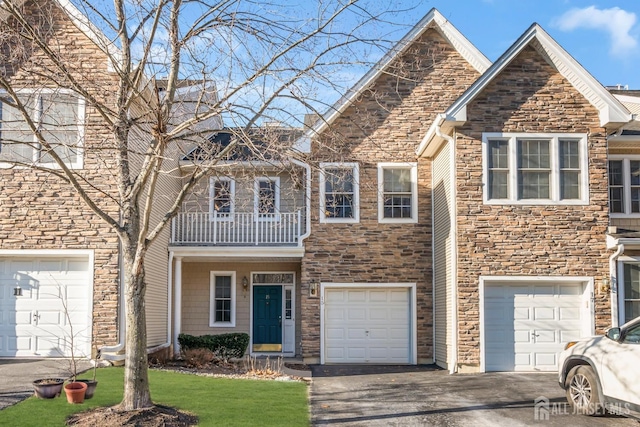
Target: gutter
{"type": "Point", "coordinates": [308, 198]}
{"type": "Point", "coordinates": [116, 353]}
{"type": "Point", "coordinates": [613, 274]}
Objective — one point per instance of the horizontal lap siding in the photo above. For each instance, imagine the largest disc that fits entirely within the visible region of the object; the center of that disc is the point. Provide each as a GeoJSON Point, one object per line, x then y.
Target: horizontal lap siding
{"type": "Point", "coordinates": [442, 261]}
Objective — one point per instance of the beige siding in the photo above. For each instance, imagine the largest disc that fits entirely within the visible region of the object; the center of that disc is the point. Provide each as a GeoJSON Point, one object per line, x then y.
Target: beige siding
{"type": "Point", "coordinates": [442, 258]}
{"type": "Point", "coordinates": [196, 295]}
{"type": "Point", "coordinates": [291, 194]}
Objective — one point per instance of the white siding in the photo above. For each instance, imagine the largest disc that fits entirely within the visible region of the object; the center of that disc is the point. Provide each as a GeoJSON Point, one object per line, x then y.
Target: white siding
{"type": "Point", "coordinates": [443, 212]}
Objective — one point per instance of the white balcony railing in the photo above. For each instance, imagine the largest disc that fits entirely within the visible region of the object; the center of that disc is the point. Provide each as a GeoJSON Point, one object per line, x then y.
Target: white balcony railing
{"type": "Point", "coordinates": [236, 229]}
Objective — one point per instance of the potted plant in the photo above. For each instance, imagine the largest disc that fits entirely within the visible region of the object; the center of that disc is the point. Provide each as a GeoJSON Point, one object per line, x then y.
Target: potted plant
{"type": "Point", "coordinates": [48, 388]}
{"type": "Point", "coordinates": [91, 383]}
{"type": "Point", "coordinates": [75, 390]}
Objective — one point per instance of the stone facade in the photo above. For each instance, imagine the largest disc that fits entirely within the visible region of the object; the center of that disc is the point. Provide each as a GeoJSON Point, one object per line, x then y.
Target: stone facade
{"type": "Point", "coordinates": [38, 209]}
{"type": "Point", "coordinates": [508, 240]}
{"type": "Point", "coordinates": [385, 124]}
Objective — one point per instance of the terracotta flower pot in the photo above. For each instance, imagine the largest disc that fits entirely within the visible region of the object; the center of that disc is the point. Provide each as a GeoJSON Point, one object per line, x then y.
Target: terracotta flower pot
{"type": "Point", "coordinates": [75, 391]}
{"type": "Point", "coordinates": [48, 388]}
{"type": "Point", "coordinates": [91, 387]}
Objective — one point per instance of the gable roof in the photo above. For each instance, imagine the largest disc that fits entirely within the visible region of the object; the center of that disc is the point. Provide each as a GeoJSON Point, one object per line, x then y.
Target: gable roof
{"type": "Point", "coordinates": [611, 110]}
{"type": "Point", "coordinates": [433, 19]}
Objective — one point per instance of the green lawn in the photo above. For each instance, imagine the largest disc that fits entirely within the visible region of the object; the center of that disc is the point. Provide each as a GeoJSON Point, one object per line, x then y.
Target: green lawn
{"type": "Point", "coordinates": [216, 401]}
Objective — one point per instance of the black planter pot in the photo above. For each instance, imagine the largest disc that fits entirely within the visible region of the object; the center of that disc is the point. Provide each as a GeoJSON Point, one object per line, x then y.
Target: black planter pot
{"type": "Point", "coordinates": [48, 388]}
{"type": "Point", "coordinates": [91, 387]}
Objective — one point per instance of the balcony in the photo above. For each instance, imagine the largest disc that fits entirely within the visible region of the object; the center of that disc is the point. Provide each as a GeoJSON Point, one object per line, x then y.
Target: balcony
{"type": "Point", "coordinates": [237, 229]}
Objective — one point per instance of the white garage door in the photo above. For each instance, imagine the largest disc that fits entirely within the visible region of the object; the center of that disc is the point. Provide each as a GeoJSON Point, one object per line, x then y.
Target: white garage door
{"type": "Point", "coordinates": [527, 325]}
{"type": "Point", "coordinates": [367, 325]}
{"type": "Point", "coordinates": [36, 324]}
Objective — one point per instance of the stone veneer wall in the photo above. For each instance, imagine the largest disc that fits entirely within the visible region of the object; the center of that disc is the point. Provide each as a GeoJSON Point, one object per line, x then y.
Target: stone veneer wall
{"type": "Point", "coordinates": [528, 96]}
{"type": "Point", "coordinates": [39, 210]}
{"type": "Point", "coordinates": [385, 124]}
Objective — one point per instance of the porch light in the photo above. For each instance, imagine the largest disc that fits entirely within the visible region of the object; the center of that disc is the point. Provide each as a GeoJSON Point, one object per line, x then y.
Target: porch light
{"type": "Point", "coordinates": [605, 286]}
{"type": "Point", "coordinates": [17, 291]}
{"type": "Point", "coordinates": [313, 289]}
{"type": "Point", "coordinates": [245, 286]}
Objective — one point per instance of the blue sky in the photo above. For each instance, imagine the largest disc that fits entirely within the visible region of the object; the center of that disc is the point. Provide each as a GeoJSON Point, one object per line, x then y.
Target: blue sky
{"type": "Point", "coordinates": [604, 36]}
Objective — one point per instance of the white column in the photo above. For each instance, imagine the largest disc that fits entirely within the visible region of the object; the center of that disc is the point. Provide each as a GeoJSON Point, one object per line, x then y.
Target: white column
{"type": "Point", "coordinates": [177, 319]}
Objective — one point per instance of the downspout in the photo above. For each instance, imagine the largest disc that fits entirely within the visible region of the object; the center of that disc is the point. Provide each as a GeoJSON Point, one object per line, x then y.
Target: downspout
{"type": "Point", "coordinates": [307, 168]}
{"type": "Point", "coordinates": [115, 353]}
{"type": "Point", "coordinates": [453, 363]}
{"type": "Point", "coordinates": [613, 274]}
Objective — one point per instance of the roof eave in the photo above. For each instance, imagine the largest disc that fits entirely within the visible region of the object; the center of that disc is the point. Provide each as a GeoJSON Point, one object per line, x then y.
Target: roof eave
{"type": "Point", "coordinates": [457, 40]}
{"type": "Point", "coordinates": [611, 112]}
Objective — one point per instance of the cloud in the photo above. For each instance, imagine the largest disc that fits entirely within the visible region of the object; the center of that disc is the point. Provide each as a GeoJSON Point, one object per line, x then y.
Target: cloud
{"type": "Point", "coordinates": [614, 21]}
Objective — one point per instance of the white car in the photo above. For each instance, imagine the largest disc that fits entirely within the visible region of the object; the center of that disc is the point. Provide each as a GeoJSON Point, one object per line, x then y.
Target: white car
{"type": "Point", "coordinates": [602, 373]}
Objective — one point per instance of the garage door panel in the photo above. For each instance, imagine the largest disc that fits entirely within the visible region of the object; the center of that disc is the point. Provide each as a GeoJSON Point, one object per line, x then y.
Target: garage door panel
{"type": "Point", "coordinates": [375, 322]}
{"type": "Point", "coordinates": [520, 336]}
{"type": "Point", "coordinates": [21, 318]}
{"type": "Point", "coordinates": [50, 346]}
{"type": "Point", "coordinates": [355, 314]}
{"type": "Point", "coordinates": [544, 313]}
{"type": "Point", "coordinates": [355, 296]}
{"type": "Point", "coordinates": [356, 333]}
{"type": "Point", "coordinates": [567, 291]}
{"type": "Point", "coordinates": [334, 333]}
{"type": "Point", "coordinates": [569, 313]}
{"type": "Point", "coordinates": [527, 332]}
{"type": "Point", "coordinates": [549, 360]}
{"type": "Point", "coordinates": [521, 313]}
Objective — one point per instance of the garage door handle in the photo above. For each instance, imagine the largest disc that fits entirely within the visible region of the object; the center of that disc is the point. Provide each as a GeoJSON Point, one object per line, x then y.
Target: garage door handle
{"type": "Point", "coordinates": [533, 334]}
{"type": "Point", "coordinates": [36, 317]}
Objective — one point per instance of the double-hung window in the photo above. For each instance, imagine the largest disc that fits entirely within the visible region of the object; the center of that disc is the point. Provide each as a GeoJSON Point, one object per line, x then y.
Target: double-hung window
{"type": "Point", "coordinates": [59, 116]}
{"type": "Point", "coordinates": [630, 294]}
{"type": "Point", "coordinates": [221, 196]}
{"type": "Point", "coordinates": [397, 192]}
{"type": "Point", "coordinates": [624, 186]}
{"type": "Point", "coordinates": [222, 312]}
{"type": "Point", "coordinates": [267, 198]}
{"type": "Point", "coordinates": [535, 168]}
{"type": "Point", "coordinates": [339, 192]}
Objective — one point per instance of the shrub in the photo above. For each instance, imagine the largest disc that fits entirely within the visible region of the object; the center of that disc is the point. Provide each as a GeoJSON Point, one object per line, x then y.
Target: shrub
{"type": "Point", "coordinates": [198, 357]}
{"type": "Point", "coordinates": [224, 345]}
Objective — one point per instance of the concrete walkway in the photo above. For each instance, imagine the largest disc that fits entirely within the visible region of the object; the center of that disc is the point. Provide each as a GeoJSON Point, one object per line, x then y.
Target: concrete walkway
{"type": "Point", "coordinates": [427, 396]}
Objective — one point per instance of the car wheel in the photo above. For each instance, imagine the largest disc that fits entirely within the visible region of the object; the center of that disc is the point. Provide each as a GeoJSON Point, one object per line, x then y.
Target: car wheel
{"type": "Point", "coordinates": [583, 391]}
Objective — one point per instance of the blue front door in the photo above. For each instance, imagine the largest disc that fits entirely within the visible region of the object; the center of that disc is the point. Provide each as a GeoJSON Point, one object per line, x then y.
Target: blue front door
{"type": "Point", "coordinates": [267, 318]}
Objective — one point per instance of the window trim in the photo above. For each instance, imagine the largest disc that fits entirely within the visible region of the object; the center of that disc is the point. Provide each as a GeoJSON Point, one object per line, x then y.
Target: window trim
{"type": "Point", "coordinates": [355, 167]}
{"type": "Point", "coordinates": [212, 289]}
{"type": "Point", "coordinates": [256, 198]}
{"type": "Point", "coordinates": [79, 164]}
{"type": "Point", "coordinates": [413, 167]}
{"type": "Point", "coordinates": [626, 185]}
{"type": "Point", "coordinates": [232, 190]}
{"type": "Point", "coordinates": [554, 182]}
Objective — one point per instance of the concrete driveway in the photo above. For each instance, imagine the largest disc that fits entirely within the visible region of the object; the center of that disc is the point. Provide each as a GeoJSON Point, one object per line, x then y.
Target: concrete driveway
{"type": "Point", "coordinates": [426, 396]}
{"type": "Point", "coordinates": [16, 376]}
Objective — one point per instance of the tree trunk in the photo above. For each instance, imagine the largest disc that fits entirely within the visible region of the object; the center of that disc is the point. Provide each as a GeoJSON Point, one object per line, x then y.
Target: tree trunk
{"type": "Point", "coordinates": [136, 378]}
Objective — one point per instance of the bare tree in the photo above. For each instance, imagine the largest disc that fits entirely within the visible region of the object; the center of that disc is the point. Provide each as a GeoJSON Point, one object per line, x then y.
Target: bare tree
{"type": "Point", "coordinates": [174, 70]}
